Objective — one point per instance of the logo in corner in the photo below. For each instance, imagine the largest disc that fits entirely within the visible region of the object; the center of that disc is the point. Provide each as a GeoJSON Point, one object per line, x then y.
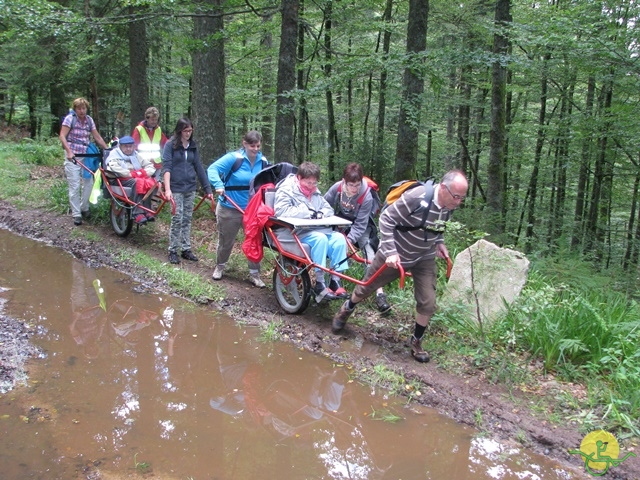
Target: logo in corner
{"type": "Point", "coordinates": [600, 451]}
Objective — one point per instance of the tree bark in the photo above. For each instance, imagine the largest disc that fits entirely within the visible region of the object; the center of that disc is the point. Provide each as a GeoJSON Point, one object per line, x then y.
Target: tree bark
{"type": "Point", "coordinates": [533, 181]}
{"type": "Point", "coordinates": [631, 245]}
{"type": "Point", "coordinates": [332, 134]}
{"type": "Point", "coordinates": [267, 86]}
{"type": "Point", "coordinates": [285, 104]}
{"type": "Point", "coordinates": [583, 174]}
{"type": "Point", "coordinates": [208, 83]}
{"type": "Point", "coordinates": [413, 88]}
{"type": "Point", "coordinates": [378, 163]}
{"type": "Point", "coordinates": [497, 135]}
{"type": "Point", "coordinates": [138, 63]}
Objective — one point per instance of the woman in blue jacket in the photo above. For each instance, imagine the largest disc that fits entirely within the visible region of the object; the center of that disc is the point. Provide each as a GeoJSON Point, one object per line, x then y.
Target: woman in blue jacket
{"type": "Point", "coordinates": [230, 176]}
{"type": "Point", "coordinates": [180, 166]}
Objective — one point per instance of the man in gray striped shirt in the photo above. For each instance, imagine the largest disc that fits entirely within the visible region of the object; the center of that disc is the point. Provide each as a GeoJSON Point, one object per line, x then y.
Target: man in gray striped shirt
{"type": "Point", "coordinates": [405, 240]}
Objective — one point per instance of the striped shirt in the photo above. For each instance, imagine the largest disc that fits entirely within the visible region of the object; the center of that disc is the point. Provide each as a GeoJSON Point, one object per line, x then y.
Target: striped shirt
{"type": "Point", "coordinates": [408, 211]}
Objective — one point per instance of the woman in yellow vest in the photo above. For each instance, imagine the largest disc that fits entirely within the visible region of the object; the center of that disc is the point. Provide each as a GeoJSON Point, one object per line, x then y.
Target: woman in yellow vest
{"type": "Point", "coordinates": [149, 139]}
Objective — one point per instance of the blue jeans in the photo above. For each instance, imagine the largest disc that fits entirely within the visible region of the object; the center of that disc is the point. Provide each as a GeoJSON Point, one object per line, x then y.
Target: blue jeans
{"type": "Point", "coordinates": [323, 245]}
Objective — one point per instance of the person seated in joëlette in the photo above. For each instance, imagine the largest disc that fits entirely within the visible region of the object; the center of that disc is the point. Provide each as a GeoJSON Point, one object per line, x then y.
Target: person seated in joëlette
{"type": "Point", "coordinates": [298, 196]}
{"type": "Point", "coordinates": [133, 171]}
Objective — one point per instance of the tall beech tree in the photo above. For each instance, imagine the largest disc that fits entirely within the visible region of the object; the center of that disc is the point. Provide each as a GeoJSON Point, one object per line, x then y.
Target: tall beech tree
{"type": "Point", "coordinates": [138, 62]}
{"type": "Point", "coordinates": [209, 114]}
{"type": "Point", "coordinates": [285, 103]}
{"type": "Point", "coordinates": [413, 88]}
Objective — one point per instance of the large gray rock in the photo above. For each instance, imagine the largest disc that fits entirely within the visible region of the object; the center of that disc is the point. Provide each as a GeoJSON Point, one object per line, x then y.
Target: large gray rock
{"type": "Point", "coordinates": [498, 276]}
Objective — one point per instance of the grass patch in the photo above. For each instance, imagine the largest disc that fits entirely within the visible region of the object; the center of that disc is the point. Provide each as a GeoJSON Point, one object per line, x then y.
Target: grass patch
{"type": "Point", "coordinates": [185, 283]}
{"type": "Point", "coordinates": [270, 332]}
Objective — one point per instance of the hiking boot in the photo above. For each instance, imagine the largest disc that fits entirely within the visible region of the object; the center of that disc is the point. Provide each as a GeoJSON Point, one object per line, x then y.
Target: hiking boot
{"type": "Point", "coordinates": [256, 281]}
{"type": "Point", "coordinates": [323, 293]}
{"type": "Point", "coordinates": [140, 219]}
{"type": "Point", "coordinates": [150, 217]}
{"type": "Point", "coordinates": [188, 255]}
{"type": "Point", "coordinates": [381, 303]}
{"type": "Point", "coordinates": [341, 317]}
{"type": "Point", "coordinates": [217, 273]}
{"type": "Point", "coordinates": [336, 287]}
{"type": "Point", "coordinates": [416, 350]}
{"type": "Point", "coordinates": [77, 221]}
{"type": "Point", "coordinates": [173, 258]}
{"type": "Point", "coordinates": [86, 214]}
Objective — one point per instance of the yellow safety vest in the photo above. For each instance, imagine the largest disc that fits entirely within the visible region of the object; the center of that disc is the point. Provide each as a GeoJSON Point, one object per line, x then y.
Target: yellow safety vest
{"type": "Point", "coordinates": [148, 148]}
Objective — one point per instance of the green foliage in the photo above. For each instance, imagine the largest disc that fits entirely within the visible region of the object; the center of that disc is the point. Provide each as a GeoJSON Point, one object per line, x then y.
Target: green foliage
{"type": "Point", "coordinates": [270, 332]}
{"type": "Point", "coordinates": [59, 197]}
{"type": "Point", "coordinates": [46, 153]}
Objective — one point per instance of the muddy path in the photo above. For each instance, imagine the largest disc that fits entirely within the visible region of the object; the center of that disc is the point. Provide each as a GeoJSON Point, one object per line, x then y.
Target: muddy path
{"type": "Point", "coordinates": [505, 414]}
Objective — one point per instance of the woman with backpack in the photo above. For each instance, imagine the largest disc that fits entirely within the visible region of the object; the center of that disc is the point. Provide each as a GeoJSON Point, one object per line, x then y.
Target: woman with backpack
{"type": "Point", "coordinates": [356, 198]}
{"type": "Point", "coordinates": [75, 135]}
{"type": "Point", "coordinates": [230, 176]}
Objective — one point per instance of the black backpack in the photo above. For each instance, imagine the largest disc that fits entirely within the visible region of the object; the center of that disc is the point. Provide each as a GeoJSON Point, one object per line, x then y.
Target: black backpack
{"type": "Point", "coordinates": [271, 174]}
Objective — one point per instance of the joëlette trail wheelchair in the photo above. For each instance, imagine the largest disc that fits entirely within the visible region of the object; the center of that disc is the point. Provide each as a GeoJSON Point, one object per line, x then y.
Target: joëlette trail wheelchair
{"type": "Point", "coordinates": [292, 262]}
{"type": "Point", "coordinates": [121, 197]}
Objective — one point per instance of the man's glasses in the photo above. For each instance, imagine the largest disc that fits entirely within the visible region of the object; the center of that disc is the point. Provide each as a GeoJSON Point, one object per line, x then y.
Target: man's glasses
{"type": "Point", "coordinates": [455, 197]}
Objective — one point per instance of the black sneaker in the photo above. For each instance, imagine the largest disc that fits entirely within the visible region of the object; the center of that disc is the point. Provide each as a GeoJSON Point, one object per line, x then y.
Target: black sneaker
{"type": "Point", "coordinates": [381, 303]}
{"type": "Point", "coordinates": [323, 293]}
{"type": "Point", "coordinates": [173, 258]}
{"type": "Point", "coordinates": [188, 255]}
{"type": "Point", "coordinates": [77, 221]}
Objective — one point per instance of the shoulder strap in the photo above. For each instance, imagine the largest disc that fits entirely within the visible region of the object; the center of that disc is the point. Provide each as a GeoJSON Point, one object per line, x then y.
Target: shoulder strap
{"type": "Point", "coordinates": [236, 166]}
{"type": "Point", "coordinates": [361, 197]}
{"type": "Point", "coordinates": [428, 197]}
{"type": "Point", "coordinates": [73, 122]}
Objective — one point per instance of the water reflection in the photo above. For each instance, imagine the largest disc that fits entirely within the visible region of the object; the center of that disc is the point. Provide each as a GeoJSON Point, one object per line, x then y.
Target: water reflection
{"type": "Point", "coordinates": [139, 379]}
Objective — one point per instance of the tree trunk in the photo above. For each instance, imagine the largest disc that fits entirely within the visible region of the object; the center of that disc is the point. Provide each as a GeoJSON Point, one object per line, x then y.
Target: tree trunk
{"type": "Point", "coordinates": [463, 118]}
{"type": "Point", "coordinates": [533, 181]}
{"type": "Point", "coordinates": [497, 135]}
{"type": "Point", "coordinates": [303, 114]}
{"type": "Point", "coordinates": [208, 83]}
{"type": "Point", "coordinates": [332, 133]}
{"type": "Point", "coordinates": [413, 88]}
{"type": "Point", "coordinates": [564, 135]}
{"type": "Point", "coordinates": [379, 163]}
{"type": "Point", "coordinates": [597, 219]}
{"type": "Point", "coordinates": [138, 62]}
{"type": "Point", "coordinates": [285, 106]}
{"type": "Point", "coordinates": [267, 87]}
{"type": "Point", "coordinates": [581, 191]}
{"type": "Point", "coordinates": [631, 246]}
{"type": "Point", "coordinates": [32, 99]}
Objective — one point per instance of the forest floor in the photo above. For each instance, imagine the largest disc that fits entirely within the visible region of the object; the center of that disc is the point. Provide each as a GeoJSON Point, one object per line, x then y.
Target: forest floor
{"type": "Point", "coordinates": [453, 386]}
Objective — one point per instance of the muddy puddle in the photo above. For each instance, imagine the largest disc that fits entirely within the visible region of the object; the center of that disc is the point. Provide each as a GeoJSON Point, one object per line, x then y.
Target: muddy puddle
{"type": "Point", "coordinates": [136, 384]}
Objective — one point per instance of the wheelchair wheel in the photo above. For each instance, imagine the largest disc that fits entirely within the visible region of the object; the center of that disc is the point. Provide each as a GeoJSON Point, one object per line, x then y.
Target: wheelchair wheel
{"type": "Point", "coordinates": [121, 220]}
{"type": "Point", "coordinates": [292, 287]}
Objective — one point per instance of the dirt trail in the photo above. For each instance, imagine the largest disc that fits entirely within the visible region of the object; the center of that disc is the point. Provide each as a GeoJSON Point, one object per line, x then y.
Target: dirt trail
{"type": "Point", "coordinates": [505, 414]}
